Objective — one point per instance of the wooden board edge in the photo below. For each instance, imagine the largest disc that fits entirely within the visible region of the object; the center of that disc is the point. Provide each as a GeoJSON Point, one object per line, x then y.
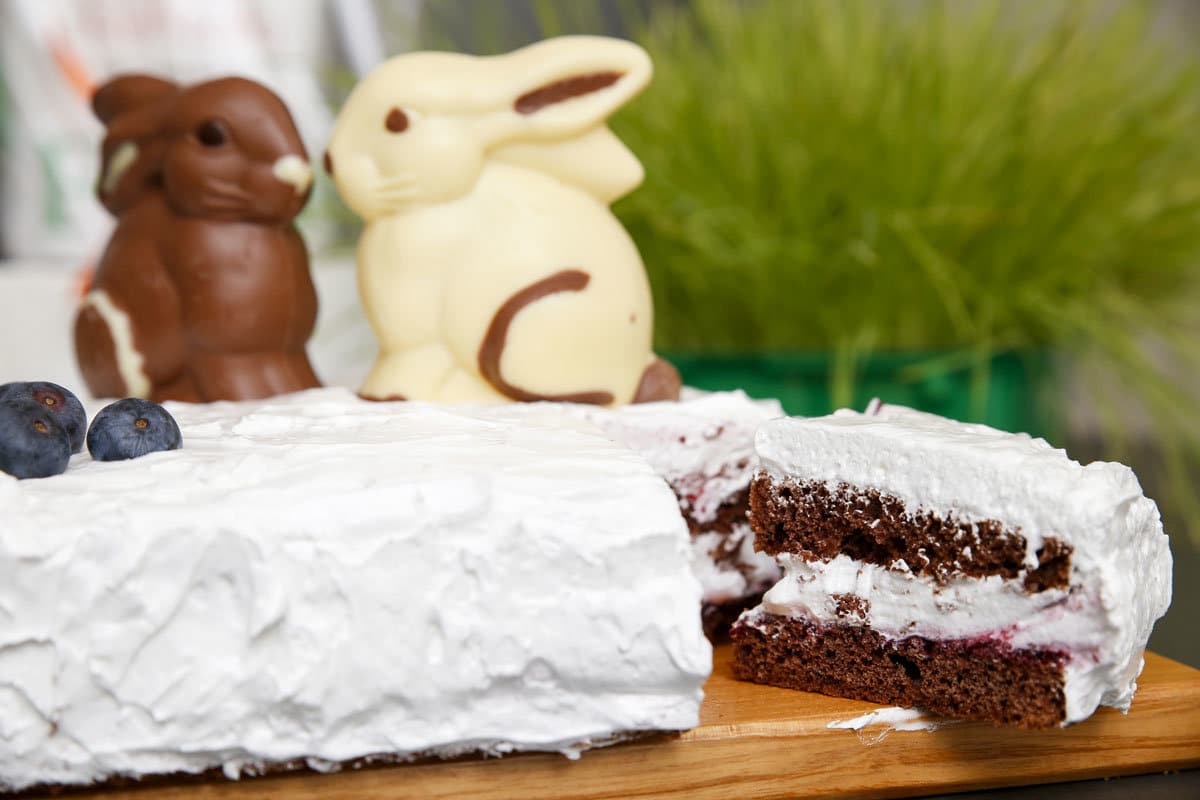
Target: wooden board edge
{"type": "Point", "coordinates": [776, 758]}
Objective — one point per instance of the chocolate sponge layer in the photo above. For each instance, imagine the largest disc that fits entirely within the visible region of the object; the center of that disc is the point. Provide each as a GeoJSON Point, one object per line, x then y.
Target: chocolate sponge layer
{"type": "Point", "coordinates": [820, 521]}
{"type": "Point", "coordinates": [728, 524]}
{"type": "Point", "coordinates": [976, 679]}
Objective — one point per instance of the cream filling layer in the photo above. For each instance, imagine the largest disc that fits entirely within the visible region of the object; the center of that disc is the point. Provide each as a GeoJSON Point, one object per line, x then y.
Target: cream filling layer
{"type": "Point", "coordinates": [746, 573]}
{"type": "Point", "coordinates": [905, 604]}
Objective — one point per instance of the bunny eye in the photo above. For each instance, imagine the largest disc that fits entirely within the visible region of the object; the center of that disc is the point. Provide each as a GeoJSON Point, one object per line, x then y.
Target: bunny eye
{"type": "Point", "coordinates": [211, 133]}
{"type": "Point", "coordinates": [396, 121]}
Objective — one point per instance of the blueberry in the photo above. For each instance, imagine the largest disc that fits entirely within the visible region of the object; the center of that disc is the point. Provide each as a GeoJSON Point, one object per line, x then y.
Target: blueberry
{"type": "Point", "coordinates": [132, 428]}
{"type": "Point", "coordinates": [65, 405]}
{"type": "Point", "coordinates": [32, 442]}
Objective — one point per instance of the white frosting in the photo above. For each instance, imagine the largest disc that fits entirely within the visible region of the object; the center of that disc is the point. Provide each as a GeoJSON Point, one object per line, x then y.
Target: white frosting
{"type": "Point", "coordinates": [895, 717]}
{"type": "Point", "coordinates": [703, 446]}
{"type": "Point", "coordinates": [130, 363]}
{"type": "Point", "coordinates": [1120, 578]}
{"type": "Point", "coordinates": [317, 577]}
{"type": "Point", "coordinates": [875, 726]}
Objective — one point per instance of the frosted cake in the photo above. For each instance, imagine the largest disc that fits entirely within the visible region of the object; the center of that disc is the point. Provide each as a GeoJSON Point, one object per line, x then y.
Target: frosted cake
{"type": "Point", "coordinates": [932, 563]}
{"type": "Point", "coordinates": [703, 446]}
{"type": "Point", "coordinates": [316, 580]}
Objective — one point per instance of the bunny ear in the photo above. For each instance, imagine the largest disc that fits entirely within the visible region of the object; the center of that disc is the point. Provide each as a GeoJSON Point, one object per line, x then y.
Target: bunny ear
{"type": "Point", "coordinates": [126, 92]}
{"type": "Point", "coordinates": [564, 86]}
{"type": "Point", "coordinates": [131, 153]}
{"type": "Point", "coordinates": [595, 161]}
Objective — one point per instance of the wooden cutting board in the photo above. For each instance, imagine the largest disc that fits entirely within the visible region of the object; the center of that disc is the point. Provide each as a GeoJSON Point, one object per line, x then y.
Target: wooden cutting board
{"type": "Point", "coordinates": [760, 742]}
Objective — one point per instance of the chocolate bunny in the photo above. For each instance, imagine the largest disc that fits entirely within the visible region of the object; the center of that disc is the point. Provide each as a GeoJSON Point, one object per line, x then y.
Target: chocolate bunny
{"type": "Point", "coordinates": [203, 292]}
{"type": "Point", "coordinates": [491, 267]}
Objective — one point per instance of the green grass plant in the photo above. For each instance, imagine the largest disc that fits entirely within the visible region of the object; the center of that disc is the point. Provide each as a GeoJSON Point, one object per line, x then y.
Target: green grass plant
{"type": "Point", "coordinates": [856, 177]}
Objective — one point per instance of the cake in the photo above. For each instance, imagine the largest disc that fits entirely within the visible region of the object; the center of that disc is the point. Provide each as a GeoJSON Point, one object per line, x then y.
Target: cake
{"type": "Point", "coordinates": [950, 566]}
{"type": "Point", "coordinates": [703, 446]}
{"type": "Point", "coordinates": [316, 580]}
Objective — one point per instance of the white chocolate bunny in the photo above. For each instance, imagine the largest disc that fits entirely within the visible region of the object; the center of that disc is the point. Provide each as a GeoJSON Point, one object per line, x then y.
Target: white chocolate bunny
{"type": "Point", "coordinates": [491, 268]}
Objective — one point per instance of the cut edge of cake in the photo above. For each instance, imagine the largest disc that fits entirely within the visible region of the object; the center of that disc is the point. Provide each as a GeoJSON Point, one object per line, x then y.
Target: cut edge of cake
{"type": "Point", "coordinates": [703, 447]}
{"type": "Point", "coordinates": [932, 563]}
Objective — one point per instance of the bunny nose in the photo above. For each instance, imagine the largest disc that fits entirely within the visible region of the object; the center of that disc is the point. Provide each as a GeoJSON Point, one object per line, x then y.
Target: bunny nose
{"type": "Point", "coordinates": [294, 170]}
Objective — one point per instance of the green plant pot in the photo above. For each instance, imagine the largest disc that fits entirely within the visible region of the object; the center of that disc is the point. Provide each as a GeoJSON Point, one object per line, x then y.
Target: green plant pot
{"type": "Point", "coordinates": [1009, 391]}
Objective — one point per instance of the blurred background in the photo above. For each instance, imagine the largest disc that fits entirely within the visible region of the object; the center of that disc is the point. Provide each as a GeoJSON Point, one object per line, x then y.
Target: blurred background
{"type": "Point", "coordinates": [988, 209]}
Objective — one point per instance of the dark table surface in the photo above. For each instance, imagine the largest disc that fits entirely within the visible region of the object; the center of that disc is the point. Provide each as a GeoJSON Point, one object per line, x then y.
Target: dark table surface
{"type": "Point", "coordinates": [1158, 786]}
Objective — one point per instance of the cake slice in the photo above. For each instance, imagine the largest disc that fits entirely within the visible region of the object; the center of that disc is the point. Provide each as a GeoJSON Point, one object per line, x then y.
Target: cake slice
{"type": "Point", "coordinates": [975, 573]}
{"type": "Point", "coordinates": [316, 580]}
{"type": "Point", "coordinates": [703, 447]}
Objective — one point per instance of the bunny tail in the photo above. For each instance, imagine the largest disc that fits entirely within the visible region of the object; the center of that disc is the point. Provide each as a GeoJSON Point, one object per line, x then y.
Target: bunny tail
{"type": "Point", "coordinates": [569, 280]}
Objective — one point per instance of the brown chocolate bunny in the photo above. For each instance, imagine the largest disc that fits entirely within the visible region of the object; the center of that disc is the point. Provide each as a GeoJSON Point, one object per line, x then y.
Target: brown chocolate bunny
{"type": "Point", "coordinates": [204, 291]}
